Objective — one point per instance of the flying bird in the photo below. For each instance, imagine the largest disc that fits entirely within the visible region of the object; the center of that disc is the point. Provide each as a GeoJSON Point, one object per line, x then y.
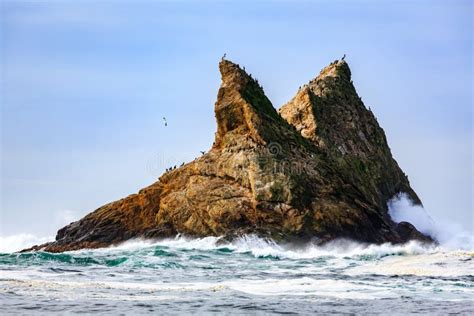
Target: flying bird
{"type": "Point", "coordinates": [164, 120]}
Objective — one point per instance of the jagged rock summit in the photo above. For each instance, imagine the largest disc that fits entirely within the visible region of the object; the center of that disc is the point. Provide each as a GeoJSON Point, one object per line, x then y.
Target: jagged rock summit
{"type": "Point", "coordinates": [320, 168]}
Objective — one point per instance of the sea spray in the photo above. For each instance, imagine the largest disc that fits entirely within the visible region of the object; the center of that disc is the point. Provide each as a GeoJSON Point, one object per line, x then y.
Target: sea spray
{"type": "Point", "coordinates": [450, 235]}
{"type": "Point", "coordinates": [18, 242]}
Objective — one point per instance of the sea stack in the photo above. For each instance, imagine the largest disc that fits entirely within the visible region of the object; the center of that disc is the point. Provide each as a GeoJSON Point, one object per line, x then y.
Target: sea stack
{"type": "Point", "coordinates": [318, 169]}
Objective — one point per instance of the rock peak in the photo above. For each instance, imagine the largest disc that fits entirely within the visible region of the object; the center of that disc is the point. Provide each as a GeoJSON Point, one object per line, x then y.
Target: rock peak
{"type": "Point", "coordinates": [338, 69]}
{"type": "Point", "coordinates": [232, 73]}
{"type": "Point", "coordinates": [330, 113]}
{"type": "Point", "coordinates": [241, 109]}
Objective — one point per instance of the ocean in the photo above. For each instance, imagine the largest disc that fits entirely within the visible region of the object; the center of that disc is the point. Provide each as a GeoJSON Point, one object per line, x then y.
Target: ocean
{"type": "Point", "coordinates": [247, 276]}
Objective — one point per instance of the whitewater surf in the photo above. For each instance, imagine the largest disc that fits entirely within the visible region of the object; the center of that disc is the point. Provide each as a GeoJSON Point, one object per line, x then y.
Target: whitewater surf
{"type": "Point", "coordinates": [248, 275]}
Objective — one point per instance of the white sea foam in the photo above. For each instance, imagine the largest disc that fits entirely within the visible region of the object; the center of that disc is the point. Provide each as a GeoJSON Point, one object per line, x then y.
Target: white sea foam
{"type": "Point", "coordinates": [340, 269]}
{"type": "Point", "coordinates": [440, 264]}
{"type": "Point", "coordinates": [155, 290]}
{"type": "Point", "coordinates": [309, 286]}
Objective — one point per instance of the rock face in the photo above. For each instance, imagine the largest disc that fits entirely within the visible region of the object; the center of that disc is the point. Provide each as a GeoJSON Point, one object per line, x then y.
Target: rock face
{"type": "Point", "coordinates": [319, 169]}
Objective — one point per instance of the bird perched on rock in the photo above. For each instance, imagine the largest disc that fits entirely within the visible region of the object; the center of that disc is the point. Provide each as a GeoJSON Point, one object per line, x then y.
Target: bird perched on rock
{"type": "Point", "coordinates": [203, 152]}
{"type": "Point", "coordinates": [344, 57]}
{"type": "Point", "coordinates": [223, 56]}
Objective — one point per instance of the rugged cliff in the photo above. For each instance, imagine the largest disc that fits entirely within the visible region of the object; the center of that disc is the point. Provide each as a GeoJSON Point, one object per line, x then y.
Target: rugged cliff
{"type": "Point", "coordinates": [319, 169]}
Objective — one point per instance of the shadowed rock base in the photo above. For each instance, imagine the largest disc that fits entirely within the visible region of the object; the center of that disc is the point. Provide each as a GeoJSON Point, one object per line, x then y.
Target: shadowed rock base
{"type": "Point", "coordinates": [318, 169]}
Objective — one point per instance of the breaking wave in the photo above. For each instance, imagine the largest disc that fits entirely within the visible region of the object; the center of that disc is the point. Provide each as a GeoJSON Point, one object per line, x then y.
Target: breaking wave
{"type": "Point", "coordinates": [217, 274]}
{"type": "Point", "coordinates": [248, 244]}
{"type": "Point", "coordinates": [261, 247]}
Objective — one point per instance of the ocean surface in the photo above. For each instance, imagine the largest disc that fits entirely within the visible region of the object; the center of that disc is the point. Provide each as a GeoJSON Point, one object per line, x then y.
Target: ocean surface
{"type": "Point", "coordinates": [248, 276]}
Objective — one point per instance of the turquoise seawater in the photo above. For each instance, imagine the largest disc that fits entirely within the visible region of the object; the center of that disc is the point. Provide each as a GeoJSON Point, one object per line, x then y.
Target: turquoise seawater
{"type": "Point", "coordinates": [247, 276]}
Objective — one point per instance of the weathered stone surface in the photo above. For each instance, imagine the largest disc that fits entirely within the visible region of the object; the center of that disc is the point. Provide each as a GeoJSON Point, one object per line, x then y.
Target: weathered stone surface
{"type": "Point", "coordinates": [321, 169]}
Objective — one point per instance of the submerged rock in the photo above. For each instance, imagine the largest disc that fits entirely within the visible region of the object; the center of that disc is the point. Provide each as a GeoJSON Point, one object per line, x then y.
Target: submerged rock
{"type": "Point", "coordinates": [320, 168]}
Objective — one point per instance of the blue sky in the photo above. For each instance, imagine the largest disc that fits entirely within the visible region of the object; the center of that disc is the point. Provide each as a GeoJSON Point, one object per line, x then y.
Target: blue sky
{"type": "Point", "coordinates": [84, 87]}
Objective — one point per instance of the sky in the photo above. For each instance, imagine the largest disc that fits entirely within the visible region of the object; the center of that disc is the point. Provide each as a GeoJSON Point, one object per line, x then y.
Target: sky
{"type": "Point", "coordinates": [84, 86]}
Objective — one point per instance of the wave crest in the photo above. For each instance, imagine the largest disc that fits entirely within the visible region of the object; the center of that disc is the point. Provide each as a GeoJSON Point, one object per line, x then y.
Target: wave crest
{"type": "Point", "coordinates": [247, 244]}
{"type": "Point", "coordinates": [262, 247]}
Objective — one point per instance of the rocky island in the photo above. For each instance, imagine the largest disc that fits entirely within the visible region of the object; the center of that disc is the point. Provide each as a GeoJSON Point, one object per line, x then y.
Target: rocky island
{"type": "Point", "coordinates": [317, 169]}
